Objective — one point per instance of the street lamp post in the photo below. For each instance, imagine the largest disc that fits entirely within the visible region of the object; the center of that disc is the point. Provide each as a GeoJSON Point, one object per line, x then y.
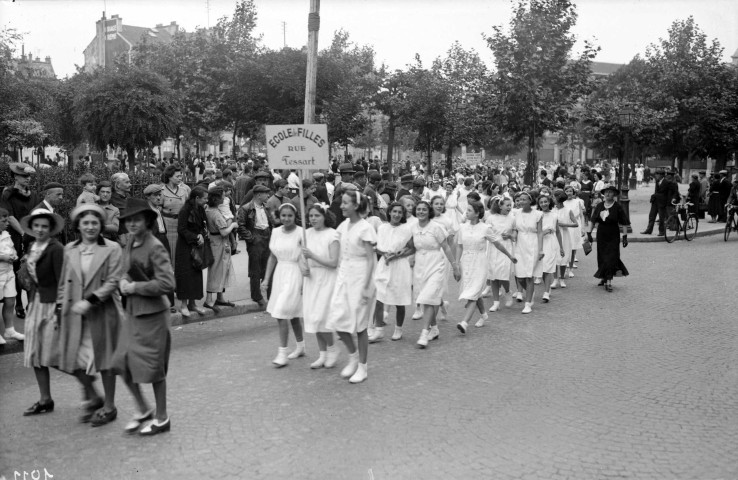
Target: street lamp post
{"type": "Point", "coordinates": [625, 118]}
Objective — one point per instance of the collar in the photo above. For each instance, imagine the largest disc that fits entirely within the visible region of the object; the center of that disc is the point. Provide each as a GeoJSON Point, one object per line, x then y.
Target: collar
{"type": "Point", "coordinates": [100, 241]}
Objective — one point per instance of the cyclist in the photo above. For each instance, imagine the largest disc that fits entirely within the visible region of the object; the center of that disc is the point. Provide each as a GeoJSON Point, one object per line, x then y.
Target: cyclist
{"type": "Point", "coordinates": [732, 203]}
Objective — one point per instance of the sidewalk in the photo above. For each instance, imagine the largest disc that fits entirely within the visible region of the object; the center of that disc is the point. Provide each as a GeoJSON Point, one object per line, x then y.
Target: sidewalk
{"type": "Point", "coordinates": [640, 206]}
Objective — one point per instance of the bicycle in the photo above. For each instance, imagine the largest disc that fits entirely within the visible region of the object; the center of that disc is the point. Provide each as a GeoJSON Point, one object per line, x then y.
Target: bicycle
{"type": "Point", "coordinates": [674, 225]}
{"type": "Point", "coordinates": [730, 222]}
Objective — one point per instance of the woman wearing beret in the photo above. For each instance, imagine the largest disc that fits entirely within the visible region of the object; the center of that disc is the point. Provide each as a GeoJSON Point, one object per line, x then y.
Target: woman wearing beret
{"type": "Point", "coordinates": [142, 355]}
{"type": "Point", "coordinates": [44, 262]}
{"type": "Point", "coordinates": [91, 310]}
{"type": "Point", "coordinates": [611, 220]}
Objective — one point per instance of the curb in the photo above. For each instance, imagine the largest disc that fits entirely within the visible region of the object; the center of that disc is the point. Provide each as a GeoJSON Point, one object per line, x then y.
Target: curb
{"type": "Point", "coordinates": [14, 346]}
{"type": "Point", "coordinates": [660, 238]}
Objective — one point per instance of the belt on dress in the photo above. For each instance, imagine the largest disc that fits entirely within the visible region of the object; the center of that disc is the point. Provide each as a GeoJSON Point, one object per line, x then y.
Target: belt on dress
{"type": "Point", "coordinates": [261, 231]}
{"type": "Point", "coordinates": [216, 234]}
{"type": "Point", "coordinates": [169, 215]}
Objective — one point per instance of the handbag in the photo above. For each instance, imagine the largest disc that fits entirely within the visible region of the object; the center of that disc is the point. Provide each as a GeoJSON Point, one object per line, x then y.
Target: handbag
{"type": "Point", "coordinates": [202, 256]}
{"type": "Point", "coordinates": [24, 276]}
{"type": "Point", "coordinates": [587, 247]}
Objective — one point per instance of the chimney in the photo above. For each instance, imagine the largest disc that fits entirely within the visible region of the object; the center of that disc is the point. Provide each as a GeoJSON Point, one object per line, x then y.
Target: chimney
{"type": "Point", "coordinates": [23, 51]}
{"type": "Point", "coordinates": [103, 17]}
{"type": "Point", "coordinates": [47, 59]}
{"type": "Point", "coordinates": [115, 16]}
{"type": "Point", "coordinates": [159, 25]}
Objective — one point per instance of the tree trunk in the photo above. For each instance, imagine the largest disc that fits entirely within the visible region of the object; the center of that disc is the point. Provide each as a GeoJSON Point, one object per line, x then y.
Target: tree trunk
{"type": "Point", "coordinates": [390, 143]}
{"type": "Point", "coordinates": [131, 151]}
{"type": "Point", "coordinates": [531, 167]}
{"type": "Point", "coordinates": [233, 149]}
{"type": "Point", "coordinates": [449, 156]}
{"type": "Point", "coordinates": [430, 158]}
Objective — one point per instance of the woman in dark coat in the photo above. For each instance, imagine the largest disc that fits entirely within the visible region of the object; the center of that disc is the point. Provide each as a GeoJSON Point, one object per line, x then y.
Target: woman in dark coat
{"type": "Point", "coordinates": [611, 220]}
{"type": "Point", "coordinates": [142, 355]}
{"type": "Point", "coordinates": [693, 193]}
{"type": "Point", "coordinates": [191, 227]}
{"type": "Point", "coordinates": [714, 205]}
{"type": "Point", "coordinates": [585, 193]}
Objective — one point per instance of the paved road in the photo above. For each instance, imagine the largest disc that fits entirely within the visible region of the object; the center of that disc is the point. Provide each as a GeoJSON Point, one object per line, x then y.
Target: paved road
{"type": "Point", "coordinates": [640, 383]}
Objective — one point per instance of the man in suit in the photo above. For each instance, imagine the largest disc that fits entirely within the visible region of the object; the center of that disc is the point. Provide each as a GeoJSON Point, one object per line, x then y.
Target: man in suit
{"type": "Point", "coordinates": [321, 192]}
{"type": "Point", "coordinates": [255, 228]}
{"type": "Point", "coordinates": [664, 192]}
{"type": "Point", "coordinates": [53, 194]}
{"type": "Point", "coordinates": [155, 199]}
{"type": "Point", "coordinates": [406, 186]}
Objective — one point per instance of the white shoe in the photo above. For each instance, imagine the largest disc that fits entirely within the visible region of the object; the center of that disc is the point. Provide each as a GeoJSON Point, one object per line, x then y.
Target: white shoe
{"type": "Point", "coordinates": [571, 273]}
{"type": "Point", "coordinates": [509, 300]}
{"type": "Point", "coordinates": [298, 352]}
{"type": "Point", "coordinates": [11, 333]}
{"type": "Point", "coordinates": [433, 333]}
{"type": "Point", "coordinates": [423, 340]}
{"type": "Point", "coordinates": [320, 362]}
{"type": "Point", "coordinates": [563, 285]}
{"type": "Point", "coordinates": [377, 335]}
{"type": "Point", "coordinates": [462, 326]}
{"type": "Point", "coordinates": [418, 313]}
{"type": "Point", "coordinates": [350, 368]}
{"type": "Point", "coordinates": [331, 356]}
{"type": "Point", "coordinates": [519, 296]}
{"type": "Point", "coordinates": [496, 306]}
{"type": "Point", "coordinates": [185, 311]}
{"type": "Point", "coordinates": [482, 319]}
{"type": "Point", "coordinates": [527, 308]}
{"type": "Point", "coordinates": [281, 359]}
{"type": "Point", "coordinates": [537, 281]}
{"type": "Point", "coordinates": [360, 375]}
{"type": "Point", "coordinates": [555, 283]}
{"type": "Point", "coordinates": [2, 340]}
{"type": "Point", "coordinates": [398, 333]}
{"type": "Point", "coordinates": [546, 297]}
{"type": "Point", "coordinates": [487, 291]}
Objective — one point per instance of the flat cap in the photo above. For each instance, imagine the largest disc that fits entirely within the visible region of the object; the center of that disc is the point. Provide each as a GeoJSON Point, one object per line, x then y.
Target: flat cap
{"type": "Point", "coordinates": [261, 189]}
{"type": "Point", "coordinates": [375, 176]}
{"type": "Point", "coordinates": [419, 182]}
{"type": "Point", "coordinates": [51, 185]}
{"type": "Point", "coordinates": [263, 175]}
{"type": "Point", "coordinates": [346, 168]}
{"type": "Point", "coordinates": [153, 188]}
{"type": "Point", "coordinates": [406, 179]}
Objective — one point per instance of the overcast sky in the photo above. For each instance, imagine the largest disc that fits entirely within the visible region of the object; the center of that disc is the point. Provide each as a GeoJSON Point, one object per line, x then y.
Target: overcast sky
{"type": "Point", "coordinates": [398, 29]}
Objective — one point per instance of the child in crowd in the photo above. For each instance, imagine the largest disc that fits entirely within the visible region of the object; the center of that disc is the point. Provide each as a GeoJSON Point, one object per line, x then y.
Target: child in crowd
{"type": "Point", "coordinates": [7, 280]}
{"type": "Point", "coordinates": [89, 185]}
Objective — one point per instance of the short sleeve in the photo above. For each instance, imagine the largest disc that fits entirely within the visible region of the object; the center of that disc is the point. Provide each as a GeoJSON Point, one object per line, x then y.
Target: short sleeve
{"type": "Point", "coordinates": [460, 236]}
{"type": "Point", "coordinates": [491, 235]}
{"type": "Point", "coordinates": [367, 233]}
{"type": "Point", "coordinates": [219, 220]}
{"type": "Point", "coordinates": [439, 233]}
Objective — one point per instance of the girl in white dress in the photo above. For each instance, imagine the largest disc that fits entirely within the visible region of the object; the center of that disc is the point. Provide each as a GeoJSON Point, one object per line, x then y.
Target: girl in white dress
{"type": "Point", "coordinates": [409, 203]}
{"type": "Point", "coordinates": [576, 205]}
{"type": "Point", "coordinates": [552, 246]}
{"type": "Point", "coordinates": [452, 205]}
{"type": "Point", "coordinates": [429, 274]}
{"type": "Point", "coordinates": [321, 255]}
{"type": "Point", "coordinates": [566, 221]}
{"type": "Point", "coordinates": [528, 239]}
{"type": "Point", "coordinates": [393, 276]}
{"type": "Point", "coordinates": [500, 266]}
{"type": "Point", "coordinates": [472, 241]}
{"type": "Point", "coordinates": [439, 215]}
{"type": "Point", "coordinates": [354, 297]}
{"type": "Point", "coordinates": [285, 302]}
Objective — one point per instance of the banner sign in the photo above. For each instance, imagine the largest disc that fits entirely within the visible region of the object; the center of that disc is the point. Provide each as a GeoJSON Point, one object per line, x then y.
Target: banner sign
{"type": "Point", "coordinates": [297, 147]}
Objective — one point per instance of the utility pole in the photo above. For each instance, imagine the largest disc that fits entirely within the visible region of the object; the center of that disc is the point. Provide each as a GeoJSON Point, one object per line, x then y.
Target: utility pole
{"type": "Point", "coordinates": [312, 61]}
{"type": "Point", "coordinates": [284, 34]}
{"type": "Point", "coordinates": [207, 7]}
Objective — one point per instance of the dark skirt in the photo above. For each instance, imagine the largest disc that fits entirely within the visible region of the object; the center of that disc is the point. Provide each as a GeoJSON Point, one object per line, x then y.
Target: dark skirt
{"type": "Point", "coordinates": [608, 253]}
{"type": "Point", "coordinates": [188, 278]}
{"type": "Point", "coordinates": [714, 206]}
{"type": "Point", "coordinates": [142, 355]}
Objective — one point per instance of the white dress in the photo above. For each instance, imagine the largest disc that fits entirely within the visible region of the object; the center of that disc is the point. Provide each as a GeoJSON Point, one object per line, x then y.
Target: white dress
{"type": "Point", "coordinates": [317, 289]}
{"type": "Point", "coordinates": [429, 273]}
{"type": "Point", "coordinates": [551, 253]}
{"type": "Point", "coordinates": [286, 299]}
{"type": "Point", "coordinates": [451, 213]}
{"type": "Point", "coordinates": [473, 260]}
{"type": "Point", "coordinates": [500, 267]}
{"type": "Point", "coordinates": [348, 313]}
{"type": "Point", "coordinates": [564, 217]}
{"type": "Point", "coordinates": [576, 205]}
{"type": "Point", "coordinates": [394, 282]}
{"type": "Point", "coordinates": [526, 249]}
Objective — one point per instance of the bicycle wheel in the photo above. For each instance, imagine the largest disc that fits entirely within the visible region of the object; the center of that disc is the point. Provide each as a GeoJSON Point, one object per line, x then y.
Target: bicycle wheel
{"type": "Point", "coordinates": [728, 228]}
{"type": "Point", "coordinates": [690, 227]}
{"type": "Point", "coordinates": [671, 229]}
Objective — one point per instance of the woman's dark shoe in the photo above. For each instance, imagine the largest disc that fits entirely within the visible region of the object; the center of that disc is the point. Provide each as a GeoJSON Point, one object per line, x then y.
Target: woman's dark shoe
{"type": "Point", "coordinates": [153, 427]}
{"type": "Point", "coordinates": [211, 307]}
{"type": "Point", "coordinates": [602, 283]}
{"type": "Point", "coordinates": [20, 313]}
{"type": "Point", "coordinates": [90, 409]}
{"type": "Point", "coordinates": [101, 417]}
{"type": "Point", "coordinates": [225, 303]}
{"type": "Point", "coordinates": [608, 287]}
{"type": "Point", "coordinates": [39, 407]}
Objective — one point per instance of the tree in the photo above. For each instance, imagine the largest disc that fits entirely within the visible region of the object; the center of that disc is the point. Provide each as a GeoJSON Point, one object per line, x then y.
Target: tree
{"type": "Point", "coordinates": [537, 83]}
{"type": "Point", "coordinates": [389, 100]}
{"type": "Point", "coordinates": [127, 107]}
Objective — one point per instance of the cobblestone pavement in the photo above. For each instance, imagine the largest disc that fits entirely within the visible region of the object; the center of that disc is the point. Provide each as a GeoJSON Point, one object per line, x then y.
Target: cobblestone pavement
{"type": "Point", "coordinates": [640, 383]}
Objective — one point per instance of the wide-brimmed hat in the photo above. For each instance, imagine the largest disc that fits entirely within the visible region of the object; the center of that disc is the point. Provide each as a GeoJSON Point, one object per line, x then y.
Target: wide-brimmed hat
{"type": "Point", "coordinates": [612, 188]}
{"type": "Point", "coordinates": [86, 207]}
{"type": "Point", "coordinates": [407, 179]}
{"type": "Point", "coordinates": [346, 168]}
{"type": "Point", "coordinates": [134, 206]}
{"type": "Point", "coordinates": [19, 168]}
{"type": "Point", "coordinates": [57, 220]}
{"type": "Point", "coordinates": [419, 182]}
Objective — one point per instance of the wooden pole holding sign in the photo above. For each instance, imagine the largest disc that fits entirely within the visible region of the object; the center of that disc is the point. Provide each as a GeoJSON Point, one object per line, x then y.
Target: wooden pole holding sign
{"type": "Point", "coordinates": [311, 79]}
